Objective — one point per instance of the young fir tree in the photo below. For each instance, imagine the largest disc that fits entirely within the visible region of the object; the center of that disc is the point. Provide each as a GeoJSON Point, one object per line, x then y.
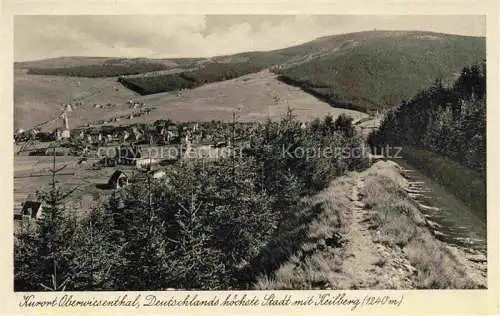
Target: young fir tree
{"type": "Point", "coordinates": [96, 254]}
{"type": "Point", "coordinates": [55, 233]}
{"type": "Point", "coordinates": [42, 253]}
{"type": "Point", "coordinates": [25, 258]}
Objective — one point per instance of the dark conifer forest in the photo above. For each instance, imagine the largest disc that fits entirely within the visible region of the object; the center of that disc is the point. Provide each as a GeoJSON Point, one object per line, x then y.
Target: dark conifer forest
{"type": "Point", "coordinates": [445, 126]}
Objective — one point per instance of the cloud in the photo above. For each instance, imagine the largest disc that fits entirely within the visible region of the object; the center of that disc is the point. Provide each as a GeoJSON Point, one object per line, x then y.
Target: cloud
{"type": "Point", "coordinates": [121, 36]}
{"type": "Point", "coordinates": [37, 37]}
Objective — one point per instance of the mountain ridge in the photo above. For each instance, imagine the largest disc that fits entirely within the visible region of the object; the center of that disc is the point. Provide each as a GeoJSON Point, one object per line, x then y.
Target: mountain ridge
{"type": "Point", "coordinates": [366, 71]}
{"type": "Point", "coordinates": [318, 39]}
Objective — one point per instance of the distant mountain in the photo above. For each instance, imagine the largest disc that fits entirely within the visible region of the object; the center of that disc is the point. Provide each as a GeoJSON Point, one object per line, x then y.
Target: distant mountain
{"type": "Point", "coordinates": [369, 71]}
{"type": "Point", "coordinates": [364, 71]}
{"type": "Point", "coordinates": [78, 61]}
{"type": "Point", "coordinates": [96, 67]}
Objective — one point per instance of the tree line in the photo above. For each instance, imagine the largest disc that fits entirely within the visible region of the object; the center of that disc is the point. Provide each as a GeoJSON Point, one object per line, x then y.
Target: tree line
{"type": "Point", "coordinates": [450, 121]}
{"type": "Point", "coordinates": [98, 71]}
{"type": "Point", "coordinates": [211, 72]}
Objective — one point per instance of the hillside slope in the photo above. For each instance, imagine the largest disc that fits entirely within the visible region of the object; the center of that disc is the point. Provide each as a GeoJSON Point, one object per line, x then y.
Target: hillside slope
{"type": "Point", "coordinates": [354, 244]}
{"type": "Point", "coordinates": [363, 71]}
{"type": "Point", "coordinates": [377, 70]}
{"type": "Point", "coordinates": [254, 97]}
{"type": "Point", "coordinates": [38, 98]}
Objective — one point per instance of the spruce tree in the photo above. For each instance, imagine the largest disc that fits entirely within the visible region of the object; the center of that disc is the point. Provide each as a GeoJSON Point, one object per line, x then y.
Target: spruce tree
{"type": "Point", "coordinates": [54, 235]}
{"type": "Point", "coordinates": [42, 250]}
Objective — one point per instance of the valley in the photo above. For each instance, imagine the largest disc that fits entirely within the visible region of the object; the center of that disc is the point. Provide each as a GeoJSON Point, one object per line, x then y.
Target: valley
{"type": "Point", "coordinates": [255, 218]}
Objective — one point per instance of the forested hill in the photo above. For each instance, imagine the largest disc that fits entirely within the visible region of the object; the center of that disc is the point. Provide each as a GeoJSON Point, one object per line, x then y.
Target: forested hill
{"type": "Point", "coordinates": [450, 121]}
{"type": "Point", "coordinates": [373, 71]}
{"type": "Point", "coordinates": [365, 71]}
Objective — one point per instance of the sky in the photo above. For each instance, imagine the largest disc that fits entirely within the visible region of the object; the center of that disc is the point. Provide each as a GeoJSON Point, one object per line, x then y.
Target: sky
{"type": "Point", "coordinates": [171, 36]}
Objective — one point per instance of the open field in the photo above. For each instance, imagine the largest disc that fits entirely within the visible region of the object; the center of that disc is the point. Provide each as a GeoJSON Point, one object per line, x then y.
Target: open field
{"type": "Point", "coordinates": [32, 173]}
{"type": "Point", "coordinates": [27, 180]}
{"type": "Point", "coordinates": [39, 98]}
{"type": "Point", "coordinates": [255, 97]}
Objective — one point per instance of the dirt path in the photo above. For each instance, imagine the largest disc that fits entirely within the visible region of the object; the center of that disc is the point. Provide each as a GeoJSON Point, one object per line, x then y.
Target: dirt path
{"type": "Point", "coordinates": [368, 264]}
{"type": "Point", "coordinates": [373, 251]}
{"type": "Point", "coordinates": [360, 254]}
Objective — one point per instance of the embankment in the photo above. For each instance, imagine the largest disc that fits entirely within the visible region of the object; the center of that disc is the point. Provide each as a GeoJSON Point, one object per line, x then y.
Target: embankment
{"type": "Point", "coordinates": [463, 182]}
{"type": "Point", "coordinates": [371, 234]}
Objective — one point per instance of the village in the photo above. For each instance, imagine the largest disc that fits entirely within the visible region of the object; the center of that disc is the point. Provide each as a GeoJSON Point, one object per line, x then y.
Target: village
{"type": "Point", "coordinates": [106, 156]}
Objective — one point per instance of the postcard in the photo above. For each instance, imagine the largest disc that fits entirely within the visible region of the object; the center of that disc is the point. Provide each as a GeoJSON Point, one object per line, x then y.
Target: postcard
{"type": "Point", "coordinates": [245, 158]}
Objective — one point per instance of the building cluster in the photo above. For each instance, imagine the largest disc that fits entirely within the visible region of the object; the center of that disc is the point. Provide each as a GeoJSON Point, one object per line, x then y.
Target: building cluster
{"type": "Point", "coordinates": [131, 144]}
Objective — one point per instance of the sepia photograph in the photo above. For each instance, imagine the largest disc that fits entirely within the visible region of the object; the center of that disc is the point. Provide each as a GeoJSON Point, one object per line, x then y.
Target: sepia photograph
{"type": "Point", "coordinates": [249, 152]}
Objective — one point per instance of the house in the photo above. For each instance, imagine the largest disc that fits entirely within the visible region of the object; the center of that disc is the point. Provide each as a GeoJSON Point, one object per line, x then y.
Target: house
{"type": "Point", "coordinates": [32, 210]}
{"type": "Point", "coordinates": [146, 162]}
{"type": "Point", "coordinates": [158, 174]}
{"type": "Point", "coordinates": [173, 130]}
{"type": "Point", "coordinates": [125, 135]}
{"type": "Point", "coordinates": [172, 134]}
{"type": "Point", "coordinates": [66, 134]}
{"type": "Point", "coordinates": [194, 127]}
{"type": "Point", "coordinates": [118, 180]}
{"type": "Point", "coordinates": [58, 151]}
{"type": "Point", "coordinates": [57, 134]}
{"type": "Point", "coordinates": [136, 134]}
